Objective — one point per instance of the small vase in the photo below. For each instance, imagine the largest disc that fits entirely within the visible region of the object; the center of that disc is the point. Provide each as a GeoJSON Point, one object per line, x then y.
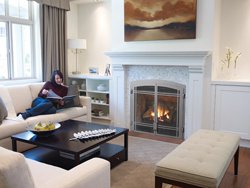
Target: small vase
{"type": "Point", "coordinates": [83, 86]}
{"type": "Point", "coordinates": [228, 73]}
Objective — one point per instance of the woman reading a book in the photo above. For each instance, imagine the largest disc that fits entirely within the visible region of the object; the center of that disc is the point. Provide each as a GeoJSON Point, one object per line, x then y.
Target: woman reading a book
{"type": "Point", "coordinates": [43, 105]}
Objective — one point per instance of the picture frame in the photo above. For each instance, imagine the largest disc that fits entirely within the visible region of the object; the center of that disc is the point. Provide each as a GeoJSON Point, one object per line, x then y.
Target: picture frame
{"type": "Point", "coordinates": [159, 20]}
{"type": "Point", "coordinates": [107, 70]}
{"type": "Point", "coordinates": [93, 70]}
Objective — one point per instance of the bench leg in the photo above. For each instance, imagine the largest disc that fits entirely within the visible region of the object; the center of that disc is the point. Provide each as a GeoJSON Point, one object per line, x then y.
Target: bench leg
{"type": "Point", "coordinates": [236, 161]}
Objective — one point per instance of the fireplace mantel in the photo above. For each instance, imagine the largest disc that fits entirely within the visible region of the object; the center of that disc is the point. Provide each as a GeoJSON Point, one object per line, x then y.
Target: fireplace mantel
{"type": "Point", "coordinates": [198, 73]}
{"type": "Point", "coordinates": [167, 58]}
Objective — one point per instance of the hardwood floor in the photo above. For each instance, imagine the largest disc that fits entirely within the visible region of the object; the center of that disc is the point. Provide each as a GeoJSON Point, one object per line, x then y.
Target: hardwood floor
{"type": "Point", "coordinates": [155, 137]}
{"type": "Point", "coordinates": [242, 180]}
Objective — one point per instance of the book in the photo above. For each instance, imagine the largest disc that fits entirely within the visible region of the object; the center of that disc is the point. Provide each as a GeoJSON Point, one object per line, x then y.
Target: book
{"type": "Point", "coordinates": [53, 96]}
{"type": "Point", "coordinates": [82, 155]}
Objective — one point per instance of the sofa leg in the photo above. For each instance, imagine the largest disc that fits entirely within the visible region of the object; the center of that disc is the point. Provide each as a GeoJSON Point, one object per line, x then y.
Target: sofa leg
{"type": "Point", "coordinates": [236, 161]}
{"type": "Point", "coordinates": [158, 182]}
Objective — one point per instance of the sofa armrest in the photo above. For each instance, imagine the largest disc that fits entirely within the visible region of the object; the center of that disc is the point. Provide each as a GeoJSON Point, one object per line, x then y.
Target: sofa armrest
{"type": "Point", "coordinates": [90, 174]}
{"type": "Point", "coordinates": [86, 101]}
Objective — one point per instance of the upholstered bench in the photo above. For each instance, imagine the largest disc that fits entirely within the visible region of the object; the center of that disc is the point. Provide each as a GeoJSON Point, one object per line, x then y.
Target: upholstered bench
{"type": "Point", "coordinates": [200, 161]}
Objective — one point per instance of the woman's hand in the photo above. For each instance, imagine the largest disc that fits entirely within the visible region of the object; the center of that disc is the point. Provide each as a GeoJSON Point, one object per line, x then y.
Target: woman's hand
{"type": "Point", "coordinates": [45, 91]}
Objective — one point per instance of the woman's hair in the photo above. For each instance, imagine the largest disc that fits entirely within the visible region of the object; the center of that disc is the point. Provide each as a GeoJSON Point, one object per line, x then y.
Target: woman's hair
{"type": "Point", "coordinates": [54, 73]}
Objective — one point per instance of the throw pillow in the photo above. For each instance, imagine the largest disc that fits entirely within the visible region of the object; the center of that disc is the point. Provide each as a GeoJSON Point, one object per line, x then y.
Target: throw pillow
{"type": "Point", "coordinates": [73, 90]}
{"type": "Point", "coordinates": [3, 111]}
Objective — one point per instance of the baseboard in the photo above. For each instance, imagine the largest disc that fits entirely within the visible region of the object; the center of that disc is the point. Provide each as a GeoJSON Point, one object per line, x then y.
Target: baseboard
{"type": "Point", "coordinates": [245, 143]}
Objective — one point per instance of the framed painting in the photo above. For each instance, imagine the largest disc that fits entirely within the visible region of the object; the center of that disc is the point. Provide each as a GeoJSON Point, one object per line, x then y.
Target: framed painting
{"type": "Point", "coordinates": [93, 70]}
{"type": "Point", "coordinates": [159, 19]}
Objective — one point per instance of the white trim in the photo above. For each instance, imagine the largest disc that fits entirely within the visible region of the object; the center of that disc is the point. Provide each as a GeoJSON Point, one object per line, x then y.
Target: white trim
{"type": "Point", "coordinates": [174, 58]}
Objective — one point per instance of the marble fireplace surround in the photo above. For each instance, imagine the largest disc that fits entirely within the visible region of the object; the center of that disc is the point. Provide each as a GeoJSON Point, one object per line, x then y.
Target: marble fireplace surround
{"type": "Point", "coordinates": [185, 67]}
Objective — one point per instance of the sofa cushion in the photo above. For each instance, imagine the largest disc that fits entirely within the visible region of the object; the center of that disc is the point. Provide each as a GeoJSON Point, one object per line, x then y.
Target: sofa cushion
{"type": "Point", "coordinates": [35, 89]}
{"type": "Point", "coordinates": [4, 94]}
{"type": "Point", "coordinates": [61, 115]}
{"type": "Point", "coordinates": [21, 97]}
{"type": "Point", "coordinates": [14, 171]}
{"type": "Point", "coordinates": [10, 127]}
{"type": "Point", "coordinates": [45, 118]}
{"type": "Point", "coordinates": [70, 113]}
{"type": "Point", "coordinates": [3, 111]}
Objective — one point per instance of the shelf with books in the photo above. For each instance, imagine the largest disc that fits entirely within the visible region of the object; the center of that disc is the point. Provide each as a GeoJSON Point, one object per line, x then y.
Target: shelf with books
{"type": "Point", "coordinates": [101, 117]}
{"type": "Point", "coordinates": [98, 103]}
{"type": "Point", "coordinates": [98, 89]}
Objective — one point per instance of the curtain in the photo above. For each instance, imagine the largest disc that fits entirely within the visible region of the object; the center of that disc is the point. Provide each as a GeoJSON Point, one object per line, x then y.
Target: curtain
{"type": "Point", "coordinates": [53, 39]}
{"type": "Point", "coordinates": [62, 4]}
{"type": "Point", "coordinates": [53, 36]}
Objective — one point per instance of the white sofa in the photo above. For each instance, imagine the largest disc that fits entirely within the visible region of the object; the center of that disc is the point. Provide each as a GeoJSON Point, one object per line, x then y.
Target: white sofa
{"type": "Point", "coordinates": [16, 171]}
{"type": "Point", "coordinates": [19, 97]}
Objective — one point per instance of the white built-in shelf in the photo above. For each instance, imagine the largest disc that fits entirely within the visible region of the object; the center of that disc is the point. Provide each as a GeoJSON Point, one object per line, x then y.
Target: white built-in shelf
{"type": "Point", "coordinates": [96, 91]}
{"type": "Point", "coordinates": [98, 103]}
{"type": "Point", "coordinates": [102, 117]}
{"type": "Point", "coordinates": [88, 86]}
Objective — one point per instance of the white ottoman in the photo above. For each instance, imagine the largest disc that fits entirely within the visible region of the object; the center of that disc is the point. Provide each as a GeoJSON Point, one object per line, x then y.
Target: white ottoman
{"type": "Point", "coordinates": [200, 161]}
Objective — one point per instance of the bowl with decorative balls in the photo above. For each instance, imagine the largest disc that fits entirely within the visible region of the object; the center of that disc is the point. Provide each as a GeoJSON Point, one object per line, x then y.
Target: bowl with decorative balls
{"type": "Point", "coordinates": [44, 129]}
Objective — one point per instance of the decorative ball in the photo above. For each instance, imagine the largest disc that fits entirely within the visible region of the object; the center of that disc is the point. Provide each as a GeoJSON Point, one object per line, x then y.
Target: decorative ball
{"type": "Point", "coordinates": [74, 82]}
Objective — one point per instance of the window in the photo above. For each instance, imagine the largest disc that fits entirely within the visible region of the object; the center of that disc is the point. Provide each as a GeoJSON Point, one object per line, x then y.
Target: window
{"type": "Point", "coordinates": [19, 40]}
{"type": "Point", "coordinates": [2, 7]}
{"type": "Point", "coordinates": [19, 9]}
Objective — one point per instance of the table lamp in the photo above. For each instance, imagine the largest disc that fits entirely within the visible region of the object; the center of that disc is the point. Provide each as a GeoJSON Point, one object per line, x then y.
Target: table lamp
{"type": "Point", "coordinates": [77, 46]}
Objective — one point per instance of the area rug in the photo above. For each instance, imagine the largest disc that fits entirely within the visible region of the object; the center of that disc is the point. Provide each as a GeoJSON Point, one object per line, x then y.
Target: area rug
{"type": "Point", "coordinates": [138, 171]}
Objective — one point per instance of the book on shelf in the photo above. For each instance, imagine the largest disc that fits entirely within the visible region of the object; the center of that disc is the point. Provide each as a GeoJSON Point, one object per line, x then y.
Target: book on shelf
{"type": "Point", "coordinates": [53, 96]}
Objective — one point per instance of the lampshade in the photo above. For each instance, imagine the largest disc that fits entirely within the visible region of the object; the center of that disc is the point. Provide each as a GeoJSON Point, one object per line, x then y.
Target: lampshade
{"type": "Point", "coordinates": [77, 43]}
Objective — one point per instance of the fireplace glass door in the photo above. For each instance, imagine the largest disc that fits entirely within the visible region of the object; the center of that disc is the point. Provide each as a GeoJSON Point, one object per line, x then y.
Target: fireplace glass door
{"type": "Point", "coordinates": [158, 108]}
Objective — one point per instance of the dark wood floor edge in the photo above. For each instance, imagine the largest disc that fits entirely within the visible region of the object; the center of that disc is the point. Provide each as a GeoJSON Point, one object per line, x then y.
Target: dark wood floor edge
{"type": "Point", "coordinates": [155, 137]}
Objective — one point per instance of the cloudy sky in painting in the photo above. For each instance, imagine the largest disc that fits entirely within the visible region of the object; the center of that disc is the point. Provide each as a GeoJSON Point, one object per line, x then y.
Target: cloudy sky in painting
{"type": "Point", "coordinates": [157, 13]}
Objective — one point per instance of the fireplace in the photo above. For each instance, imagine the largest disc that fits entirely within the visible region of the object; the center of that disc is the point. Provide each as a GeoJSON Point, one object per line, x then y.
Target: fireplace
{"type": "Point", "coordinates": [189, 68]}
{"type": "Point", "coordinates": [157, 106]}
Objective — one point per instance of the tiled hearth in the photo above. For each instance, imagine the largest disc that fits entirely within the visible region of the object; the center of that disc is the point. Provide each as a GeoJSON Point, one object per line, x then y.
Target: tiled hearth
{"type": "Point", "coordinates": [188, 68]}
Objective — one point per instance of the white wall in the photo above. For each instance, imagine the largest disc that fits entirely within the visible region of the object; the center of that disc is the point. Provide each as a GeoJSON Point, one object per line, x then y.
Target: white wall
{"type": "Point", "coordinates": [234, 33]}
{"type": "Point", "coordinates": [216, 38]}
{"type": "Point", "coordinates": [203, 41]}
{"type": "Point", "coordinates": [72, 32]}
{"type": "Point", "coordinates": [220, 24]}
{"type": "Point", "coordinates": [94, 25]}
{"type": "Point", "coordinates": [94, 22]}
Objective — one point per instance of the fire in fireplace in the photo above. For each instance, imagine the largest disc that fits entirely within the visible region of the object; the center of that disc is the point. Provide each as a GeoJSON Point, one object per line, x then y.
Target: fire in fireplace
{"type": "Point", "coordinates": [157, 107]}
{"type": "Point", "coordinates": [166, 111]}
